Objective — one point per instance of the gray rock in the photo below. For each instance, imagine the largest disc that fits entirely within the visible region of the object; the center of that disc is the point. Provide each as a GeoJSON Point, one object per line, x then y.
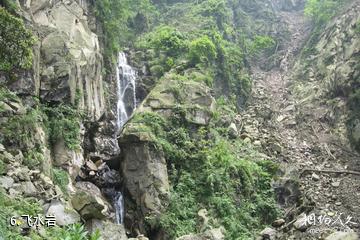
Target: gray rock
{"type": "Point", "coordinates": [233, 131]}
{"type": "Point", "coordinates": [13, 192]}
{"type": "Point", "coordinates": [140, 237]}
{"type": "Point", "coordinates": [213, 234]}
{"type": "Point", "coordinates": [64, 214]}
{"type": "Point", "coordinates": [335, 184]}
{"type": "Point", "coordinates": [343, 236]}
{"type": "Point", "coordinates": [145, 173]}
{"type": "Point", "coordinates": [300, 223]}
{"type": "Point", "coordinates": [6, 182]}
{"type": "Point", "coordinates": [268, 233]}
{"type": "Point", "coordinates": [278, 222]}
{"type": "Point", "coordinates": [89, 202]}
{"type": "Point", "coordinates": [28, 188]}
{"type": "Point", "coordinates": [108, 230]}
{"type": "Point", "coordinates": [315, 177]}
{"type": "Point", "coordinates": [2, 148]}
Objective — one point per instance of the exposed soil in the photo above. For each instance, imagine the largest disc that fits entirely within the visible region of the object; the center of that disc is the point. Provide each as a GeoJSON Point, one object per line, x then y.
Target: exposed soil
{"type": "Point", "coordinates": [304, 146]}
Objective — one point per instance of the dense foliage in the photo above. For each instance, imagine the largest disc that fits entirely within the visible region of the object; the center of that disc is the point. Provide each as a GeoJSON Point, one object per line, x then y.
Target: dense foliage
{"type": "Point", "coordinates": [23, 131]}
{"type": "Point", "coordinates": [200, 36]}
{"type": "Point", "coordinates": [208, 171]}
{"type": "Point", "coordinates": [63, 122]}
{"type": "Point", "coordinates": [115, 16]}
{"type": "Point", "coordinates": [321, 11]}
{"type": "Point", "coordinates": [16, 42]}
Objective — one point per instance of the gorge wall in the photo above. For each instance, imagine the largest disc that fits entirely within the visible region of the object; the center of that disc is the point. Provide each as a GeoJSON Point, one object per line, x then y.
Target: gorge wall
{"type": "Point", "coordinates": [190, 161]}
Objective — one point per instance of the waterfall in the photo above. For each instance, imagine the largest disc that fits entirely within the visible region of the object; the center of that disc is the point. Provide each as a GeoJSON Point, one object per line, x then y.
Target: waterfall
{"type": "Point", "coordinates": [119, 208]}
{"type": "Point", "coordinates": [126, 77]}
{"type": "Point", "coordinates": [126, 104]}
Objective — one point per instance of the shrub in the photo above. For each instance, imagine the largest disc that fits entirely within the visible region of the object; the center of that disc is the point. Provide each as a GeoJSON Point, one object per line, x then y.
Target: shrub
{"type": "Point", "coordinates": [321, 11]}
{"type": "Point", "coordinates": [21, 128]}
{"type": "Point", "coordinates": [260, 43]}
{"type": "Point", "coordinates": [33, 158]}
{"type": "Point", "coordinates": [167, 39]}
{"type": "Point", "coordinates": [16, 43]}
{"type": "Point", "coordinates": [202, 50]}
{"type": "Point", "coordinates": [14, 207]}
{"type": "Point", "coordinates": [114, 15]}
{"type": "Point", "coordinates": [63, 123]}
{"type": "Point", "coordinates": [60, 178]}
{"type": "Point", "coordinates": [208, 171]}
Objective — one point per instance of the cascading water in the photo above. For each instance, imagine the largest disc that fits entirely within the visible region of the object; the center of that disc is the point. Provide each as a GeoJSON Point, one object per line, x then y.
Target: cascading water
{"type": "Point", "coordinates": [119, 208]}
{"type": "Point", "coordinates": [126, 105]}
{"type": "Point", "coordinates": [126, 77]}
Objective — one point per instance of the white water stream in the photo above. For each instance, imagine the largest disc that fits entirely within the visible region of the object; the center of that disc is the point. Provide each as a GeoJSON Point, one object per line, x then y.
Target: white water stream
{"type": "Point", "coordinates": [126, 77]}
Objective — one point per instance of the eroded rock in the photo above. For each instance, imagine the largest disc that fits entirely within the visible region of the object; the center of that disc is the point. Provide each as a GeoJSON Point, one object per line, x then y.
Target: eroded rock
{"type": "Point", "coordinates": [88, 201]}
{"type": "Point", "coordinates": [64, 215]}
{"type": "Point", "coordinates": [108, 230]}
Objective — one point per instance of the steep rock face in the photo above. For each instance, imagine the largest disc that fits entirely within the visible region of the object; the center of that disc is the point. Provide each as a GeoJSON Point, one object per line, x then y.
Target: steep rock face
{"type": "Point", "coordinates": [143, 163]}
{"type": "Point", "coordinates": [67, 60]}
{"type": "Point", "coordinates": [328, 73]}
{"type": "Point", "coordinates": [67, 71]}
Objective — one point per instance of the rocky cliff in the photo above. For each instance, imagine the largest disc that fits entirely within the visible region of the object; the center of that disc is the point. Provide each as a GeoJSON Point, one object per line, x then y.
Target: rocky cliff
{"type": "Point", "coordinates": [232, 105]}
{"type": "Point", "coordinates": [52, 120]}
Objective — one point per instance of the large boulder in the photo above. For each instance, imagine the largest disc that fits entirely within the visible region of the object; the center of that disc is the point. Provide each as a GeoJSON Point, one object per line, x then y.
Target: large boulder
{"type": "Point", "coordinates": [64, 215]}
{"type": "Point", "coordinates": [89, 202]}
{"type": "Point", "coordinates": [65, 157]}
{"type": "Point", "coordinates": [145, 172]}
{"type": "Point", "coordinates": [193, 97]}
{"type": "Point", "coordinates": [108, 230]}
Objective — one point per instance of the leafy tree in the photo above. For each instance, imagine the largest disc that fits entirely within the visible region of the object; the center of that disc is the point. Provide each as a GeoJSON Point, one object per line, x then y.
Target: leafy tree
{"type": "Point", "coordinates": [167, 39]}
{"type": "Point", "coordinates": [115, 16]}
{"type": "Point", "coordinates": [15, 41]}
{"type": "Point", "coordinates": [260, 43]}
{"type": "Point", "coordinates": [202, 50]}
{"type": "Point", "coordinates": [322, 11]}
{"type": "Point", "coordinates": [10, 5]}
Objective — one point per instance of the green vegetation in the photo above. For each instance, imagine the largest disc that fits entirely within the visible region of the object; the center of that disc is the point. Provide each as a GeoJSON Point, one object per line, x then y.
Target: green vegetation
{"type": "Point", "coordinates": [260, 44]}
{"type": "Point", "coordinates": [166, 39]}
{"type": "Point", "coordinates": [208, 171]}
{"type": "Point", "coordinates": [61, 178]}
{"type": "Point", "coordinates": [63, 122]}
{"type": "Point", "coordinates": [9, 5]}
{"type": "Point", "coordinates": [202, 50]}
{"type": "Point", "coordinates": [16, 42]}
{"type": "Point", "coordinates": [321, 11]}
{"type": "Point", "coordinates": [357, 28]}
{"type": "Point", "coordinates": [15, 207]}
{"type": "Point", "coordinates": [21, 128]}
{"type": "Point", "coordinates": [354, 118]}
{"type": "Point", "coordinates": [116, 16]}
{"type": "Point", "coordinates": [72, 232]}
{"type": "Point", "coordinates": [19, 132]}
